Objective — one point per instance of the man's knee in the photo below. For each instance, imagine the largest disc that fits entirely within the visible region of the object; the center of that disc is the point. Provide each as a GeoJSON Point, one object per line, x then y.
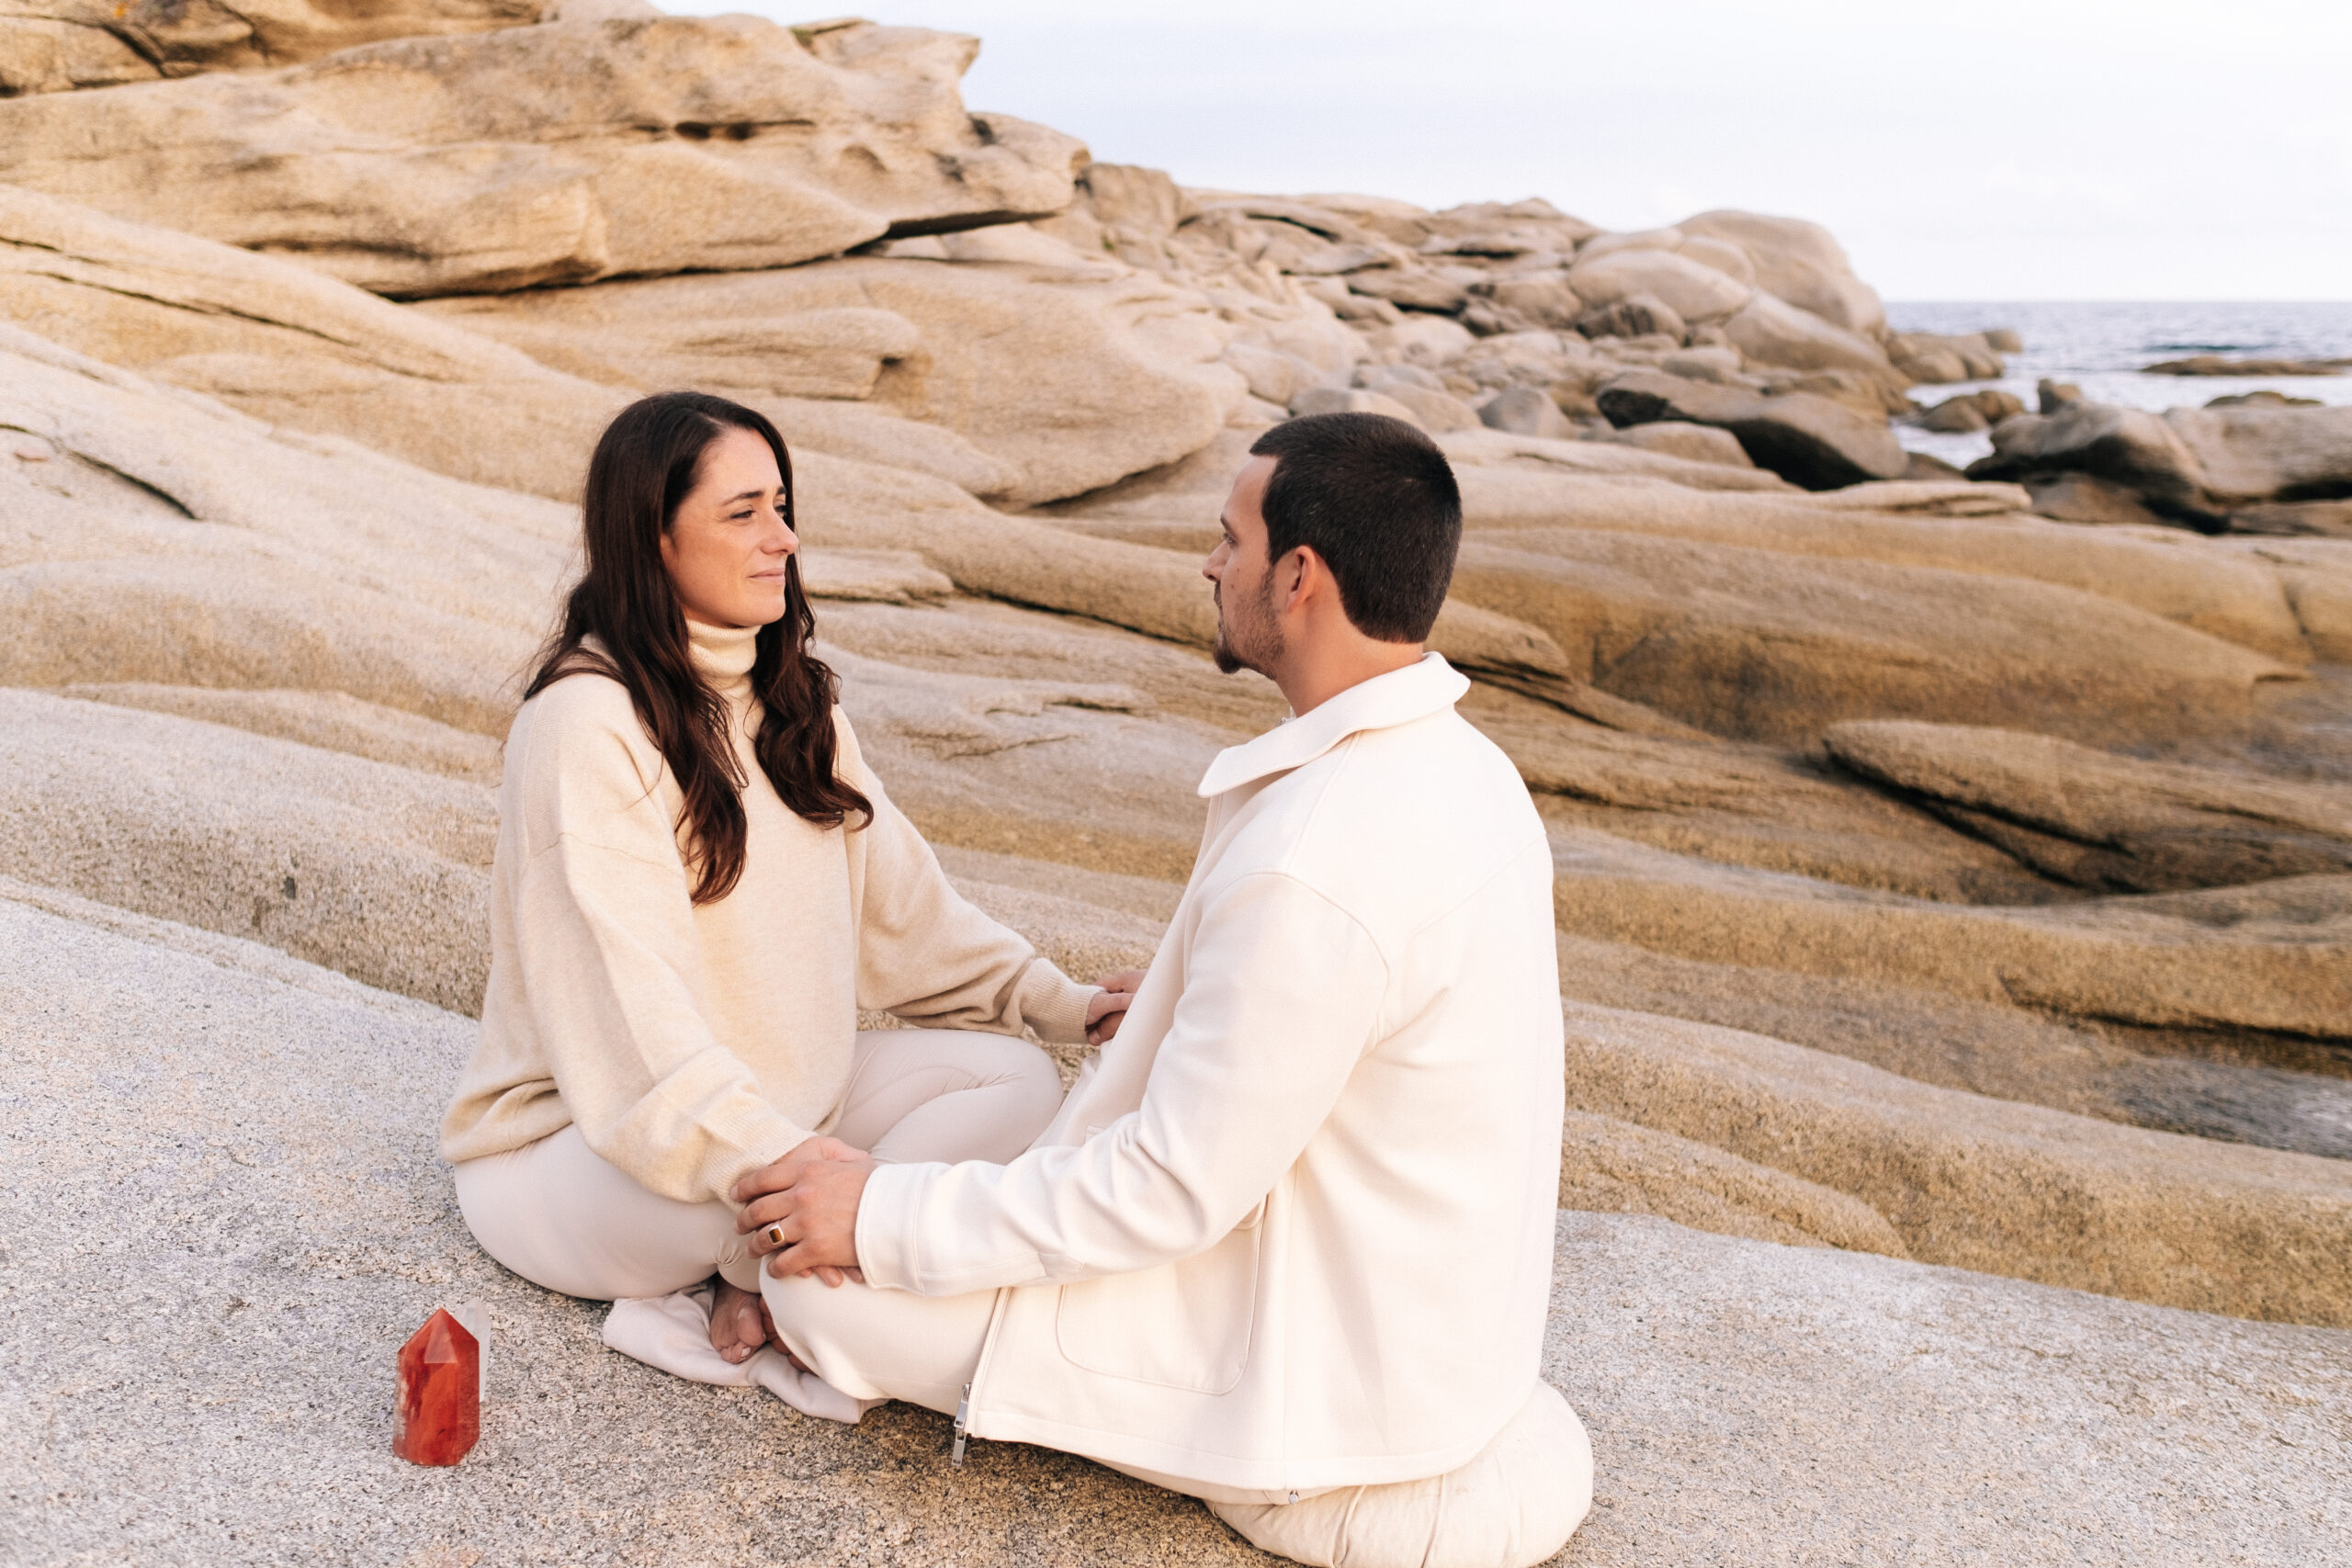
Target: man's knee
{"type": "Point", "coordinates": [882, 1344]}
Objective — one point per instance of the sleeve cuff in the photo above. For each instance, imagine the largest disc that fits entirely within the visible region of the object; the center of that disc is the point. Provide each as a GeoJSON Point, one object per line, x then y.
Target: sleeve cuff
{"type": "Point", "coordinates": [726, 1168]}
{"type": "Point", "coordinates": [885, 1236]}
{"type": "Point", "coordinates": [1055, 1005]}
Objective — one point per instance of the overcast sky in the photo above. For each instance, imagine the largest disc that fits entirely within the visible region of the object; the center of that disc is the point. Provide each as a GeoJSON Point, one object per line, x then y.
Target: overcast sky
{"type": "Point", "coordinates": [1967, 150]}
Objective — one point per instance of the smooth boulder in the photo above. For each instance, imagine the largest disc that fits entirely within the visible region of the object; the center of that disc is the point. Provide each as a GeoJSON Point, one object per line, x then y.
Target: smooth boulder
{"type": "Point", "coordinates": [290, 346]}
{"type": "Point", "coordinates": [1763, 645]}
{"type": "Point", "coordinates": [2192, 465]}
{"type": "Point", "coordinates": [51, 46]}
{"type": "Point", "coordinates": [1043, 381]}
{"type": "Point", "coordinates": [2110, 823]}
{"type": "Point", "coordinates": [1808, 440]}
{"type": "Point", "coordinates": [1691, 289]}
{"type": "Point", "coordinates": [1770, 330]}
{"type": "Point", "coordinates": [556, 154]}
{"type": "Point", "coordinates": [1989, 1185]}
{"type": "Point", "coordinates": [1798, 261]}
{"type": "Point", "coordinates": [1740, 1394]}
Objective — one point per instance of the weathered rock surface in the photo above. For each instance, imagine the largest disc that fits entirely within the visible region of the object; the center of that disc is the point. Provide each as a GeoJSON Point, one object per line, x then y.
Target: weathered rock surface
{"type": "Point", "coordinates": [2041, 1424]}
{"type": "Point", "coordinates": [1679, 438]}
{"type": "Point", "coordinates": [1934, 357]}
{"type": "Point", "coordinates": [2276, 956]}
{"type": "Point", "coordinates": [1875, 1004]}
{"type": "Point", "coordinates": [2105, 822]}
{"type": "Point", "coordinates": [1990, 1048]}
{"type": "Point", "coordinates": [48, 46]}
{"type": "Point", "coordinates": [1769, 331]}
{"type": "Point", "coordinates": [2294, 519]}
{"type": "Point", "coordinates": [1968, 527]}
{"type": "Point", "coordinates": [1613, 1166]}
{"type": "Point", "coordinates": [150, 535]}
{"type": "Point", "coordinates": [530, 155]}
{"type": "Point", "coordinates": [2195, 464]}
{"type": "Point", "coordinates": [1691, 289]}
{"type": "Point", "coordinates": [1761, 645]}
{"type": "Point", "coordinates": [278, 341]}
{"type": "Point", "coordinates": [1523, 411]}
{"type": "Point", "coordinates": [1046, 381]}
{"type": "Point", "coordinates": [1797, 262]}
{"type": "Point", "coordinates": [2064, 1200]}
{"type": "Point", "coordinates": [332, 721]}
{"type": "Point", "coordinates": [376, 870]}
{"type": "Point", "coordinates": [2222, 364]}
{"type": "Point", "coordinates": [1807, 439]}
{"type": "Point", "coordinates": [1972, 412]}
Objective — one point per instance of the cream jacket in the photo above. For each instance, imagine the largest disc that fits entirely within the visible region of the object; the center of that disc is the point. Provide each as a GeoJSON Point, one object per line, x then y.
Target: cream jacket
{"type": "Point", "coordinates": [693, 1044]}
{"type": "Point", "coordinates": [1293, 1228]}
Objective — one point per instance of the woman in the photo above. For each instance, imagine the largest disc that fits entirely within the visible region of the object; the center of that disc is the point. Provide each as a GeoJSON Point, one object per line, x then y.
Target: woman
{"type": "Point", "coordinates": [699, 884]}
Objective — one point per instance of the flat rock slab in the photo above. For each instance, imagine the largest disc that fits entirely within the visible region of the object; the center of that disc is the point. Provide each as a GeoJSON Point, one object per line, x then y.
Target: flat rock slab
{"type": "Point", "coordinates": [221, 1213]}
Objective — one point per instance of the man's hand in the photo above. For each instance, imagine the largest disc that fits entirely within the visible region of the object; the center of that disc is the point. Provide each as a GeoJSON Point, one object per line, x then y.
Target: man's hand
{"type": "Point", "coordinates": [813, 1204]}
{"type": "Point", "coordinates": [779, 1176]}
{"type": "Point", "coordinates": [1109, 1007]}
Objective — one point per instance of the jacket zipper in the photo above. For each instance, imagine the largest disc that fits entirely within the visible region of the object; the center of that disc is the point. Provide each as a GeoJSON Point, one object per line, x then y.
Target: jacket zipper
{"type": "Point", "coordinates": [964, 1406]}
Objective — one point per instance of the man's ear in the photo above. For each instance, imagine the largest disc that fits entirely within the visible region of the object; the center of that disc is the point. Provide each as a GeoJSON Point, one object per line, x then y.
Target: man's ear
{"type": "Point", "coordinates": [1293, 574]}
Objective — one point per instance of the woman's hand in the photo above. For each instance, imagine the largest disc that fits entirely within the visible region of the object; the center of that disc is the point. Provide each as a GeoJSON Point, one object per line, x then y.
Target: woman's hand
{"type": "Point", "coordinates": [779, 1175]}
{"type": "Point", "coordinates": [1110, 1005]}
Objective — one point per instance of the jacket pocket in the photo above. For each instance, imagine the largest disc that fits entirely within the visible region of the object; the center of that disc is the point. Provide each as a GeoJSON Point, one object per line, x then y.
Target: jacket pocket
{"type": "Point", "coordinates": [1186, 1326]}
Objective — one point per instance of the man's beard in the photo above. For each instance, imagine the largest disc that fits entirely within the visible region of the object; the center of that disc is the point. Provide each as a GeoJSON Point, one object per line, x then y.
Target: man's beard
{"type": "Point", "coordinates": [1247, 639]}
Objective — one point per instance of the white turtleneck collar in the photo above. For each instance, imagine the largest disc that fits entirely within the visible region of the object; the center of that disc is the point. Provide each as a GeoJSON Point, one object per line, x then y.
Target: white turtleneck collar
{"type": "Point", "coordinates": [723, 656]}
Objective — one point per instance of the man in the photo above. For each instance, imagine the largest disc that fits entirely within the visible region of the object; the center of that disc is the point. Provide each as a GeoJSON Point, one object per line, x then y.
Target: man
{"type": "Point", "coordinates": [1292, 1231]}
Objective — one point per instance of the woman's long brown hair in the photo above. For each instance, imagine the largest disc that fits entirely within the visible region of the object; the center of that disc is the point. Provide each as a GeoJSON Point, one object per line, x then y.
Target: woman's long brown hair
{"type": "Point", "coordinates": [644, 466]}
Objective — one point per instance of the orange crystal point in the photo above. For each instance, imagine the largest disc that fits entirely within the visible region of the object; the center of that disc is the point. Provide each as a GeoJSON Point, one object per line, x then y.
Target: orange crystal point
{"type": "Point", "coordinates": [438, 1417]}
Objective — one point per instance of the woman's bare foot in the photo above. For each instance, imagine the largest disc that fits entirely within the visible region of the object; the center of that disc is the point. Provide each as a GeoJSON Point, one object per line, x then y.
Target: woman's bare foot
{"type": "Point", "coordinates": [737, 1322]}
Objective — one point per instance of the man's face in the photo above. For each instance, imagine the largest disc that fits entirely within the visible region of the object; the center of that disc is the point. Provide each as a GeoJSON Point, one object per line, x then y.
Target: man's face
{"type": "Point", "coordinates": [1247, 635]}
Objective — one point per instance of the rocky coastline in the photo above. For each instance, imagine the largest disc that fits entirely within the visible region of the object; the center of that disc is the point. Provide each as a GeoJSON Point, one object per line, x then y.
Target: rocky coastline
{"type": "Point", "coordinates": [1954, 869]}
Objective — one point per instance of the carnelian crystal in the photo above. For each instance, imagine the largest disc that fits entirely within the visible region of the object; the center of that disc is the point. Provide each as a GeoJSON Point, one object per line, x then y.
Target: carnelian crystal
{"type": "Point", "coordinates": [438, 1417]}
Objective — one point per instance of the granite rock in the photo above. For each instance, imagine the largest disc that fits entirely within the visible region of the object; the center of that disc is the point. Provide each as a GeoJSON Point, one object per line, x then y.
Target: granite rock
{"type": "Point", "coordinates": [1807, 439]}
{"type": "Point", "coordinates": [49, 46]}
{"type": "Point", "coordinates": [556, 154]}
{"type": "Point", "coordinates": [1742, 1395]}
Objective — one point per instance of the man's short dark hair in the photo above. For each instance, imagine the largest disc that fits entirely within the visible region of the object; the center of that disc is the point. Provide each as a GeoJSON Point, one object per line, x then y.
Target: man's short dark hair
{"type": "Point", "coordinates": [1376, 499]}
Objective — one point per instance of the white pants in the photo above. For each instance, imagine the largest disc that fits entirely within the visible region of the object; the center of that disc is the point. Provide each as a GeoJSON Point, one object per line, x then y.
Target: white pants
{"type": "Point", "coordinates": [891, 1345]}
{"type": "Point", "coordinates": [563, 1218]}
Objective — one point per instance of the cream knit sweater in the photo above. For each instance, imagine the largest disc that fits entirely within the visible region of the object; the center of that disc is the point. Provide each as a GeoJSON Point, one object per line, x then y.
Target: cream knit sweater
{"type": "Point", "coordinates": [693, 1044]}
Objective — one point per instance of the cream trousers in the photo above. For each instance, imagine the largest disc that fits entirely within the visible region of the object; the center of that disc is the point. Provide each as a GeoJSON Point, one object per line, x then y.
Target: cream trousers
{"type": "Point", "coordinates": [924, 1350]}
{"type": "Point", "coordinates": [563, 1218]}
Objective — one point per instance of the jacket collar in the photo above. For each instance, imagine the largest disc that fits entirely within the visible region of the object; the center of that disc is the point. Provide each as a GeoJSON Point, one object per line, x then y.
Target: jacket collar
{"type": "Point", "coordinates": [1381, 703]}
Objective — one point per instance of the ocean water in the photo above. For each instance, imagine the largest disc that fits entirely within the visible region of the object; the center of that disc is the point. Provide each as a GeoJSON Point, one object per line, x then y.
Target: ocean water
{"type": "Point", "coordinates": [2102, 346]}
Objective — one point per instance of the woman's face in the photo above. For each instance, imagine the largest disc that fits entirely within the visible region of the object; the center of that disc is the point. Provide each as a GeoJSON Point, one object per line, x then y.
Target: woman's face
{"type": "Point", "coordinates": [727, 548]}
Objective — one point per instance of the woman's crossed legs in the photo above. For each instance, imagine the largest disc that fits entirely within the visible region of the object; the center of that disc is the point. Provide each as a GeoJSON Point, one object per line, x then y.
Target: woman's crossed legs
{"type": "Point", "coordinates": [563, 1218]}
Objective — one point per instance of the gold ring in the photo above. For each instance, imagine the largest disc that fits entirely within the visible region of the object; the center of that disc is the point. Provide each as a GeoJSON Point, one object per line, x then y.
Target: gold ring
{"type": "Point", "coordinates": [775, 1234]}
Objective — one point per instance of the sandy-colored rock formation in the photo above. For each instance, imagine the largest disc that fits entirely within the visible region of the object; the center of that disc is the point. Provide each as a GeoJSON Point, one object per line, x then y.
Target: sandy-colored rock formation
{"type": "Point", "coordinates": [2062, 1199]}
{"type": "Point", "coordinates": [1936, 879]}
{"type": "Point", "coordinates": [2101, 821]}
{"type": "Point", "coordinates": [2196, 465]}
{"type": "Point", "coordinates": [49, 46]}
{"type": "Point", "coordinates": [1756, 643]}
{"type": "Point", "coordinates": [1809, 440]}
{"type": "Point", "coordinates": [1020, 382]}
{"type": "Point", "coordinates": [1741, 1394]}
{"type": "Point", "coordinates": [2275, 956]}
{"type": "Point", "coordinates": [288, 345]}
{"type": "Point", "coordinates": [556, 154]}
